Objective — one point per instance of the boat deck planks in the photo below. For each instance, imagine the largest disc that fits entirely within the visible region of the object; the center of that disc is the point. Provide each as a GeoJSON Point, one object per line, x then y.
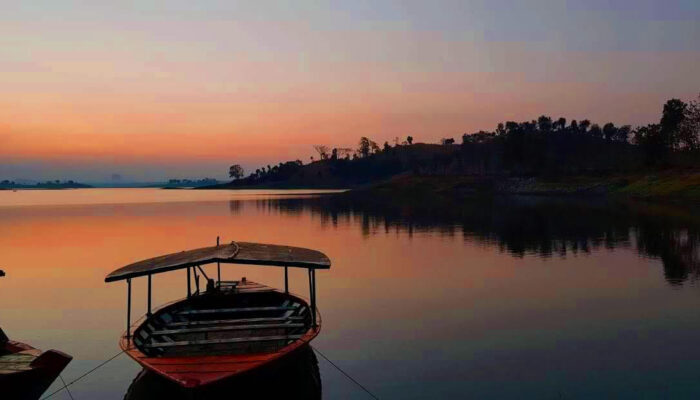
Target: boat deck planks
{"type": "Point", "coordinates": [233, 321]}
{"type": "Point", "coordinates": [236, 310]}
{"type": "Point", "coordinates": [226, 328]}
{"type": "Point", "coordinates": [202, 369]}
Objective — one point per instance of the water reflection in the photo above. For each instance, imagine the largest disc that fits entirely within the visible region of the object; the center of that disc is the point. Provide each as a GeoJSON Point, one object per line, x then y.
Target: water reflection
{"type": "Point", "coordinates": [521, 226]}
{"type": "Point", "coordinates": [298, 378]}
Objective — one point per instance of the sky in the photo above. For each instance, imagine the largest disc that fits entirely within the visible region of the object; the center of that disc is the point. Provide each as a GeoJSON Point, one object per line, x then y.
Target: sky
{"type": "Point", "coordinates": [153, 90]}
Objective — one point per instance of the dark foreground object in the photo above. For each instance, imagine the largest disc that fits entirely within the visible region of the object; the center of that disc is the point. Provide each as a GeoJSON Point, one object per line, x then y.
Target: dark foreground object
{"type": "Point", "coordinates": [25, 372]}
{"type": "Point", "coordinates": [296, 378]}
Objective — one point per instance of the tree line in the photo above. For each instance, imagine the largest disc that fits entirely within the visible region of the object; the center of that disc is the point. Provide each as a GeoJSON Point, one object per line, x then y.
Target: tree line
{"type": "Point", "coordinates": [544, 145]}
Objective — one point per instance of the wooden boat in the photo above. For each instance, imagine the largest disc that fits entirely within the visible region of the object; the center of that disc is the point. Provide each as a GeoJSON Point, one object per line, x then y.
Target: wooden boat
{"type": "Point", "coordinates": [231, 327]}
{"type": "Point", "coordinates": [296, 377]}
{"type": "Point", "coordinates": [25, 372]}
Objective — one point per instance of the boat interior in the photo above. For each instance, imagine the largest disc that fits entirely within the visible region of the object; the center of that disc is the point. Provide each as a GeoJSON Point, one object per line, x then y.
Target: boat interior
{"type": "Point", "coordinates": [15, 357]}
{"type": "Point", "coordinates": [236, 317]}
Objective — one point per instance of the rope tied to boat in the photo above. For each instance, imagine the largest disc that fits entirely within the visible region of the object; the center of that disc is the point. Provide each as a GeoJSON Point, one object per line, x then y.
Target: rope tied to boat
{"type": "Point", "coordinates": [345, 373]}
{"type": "Point", "coordinates": [65, 386]}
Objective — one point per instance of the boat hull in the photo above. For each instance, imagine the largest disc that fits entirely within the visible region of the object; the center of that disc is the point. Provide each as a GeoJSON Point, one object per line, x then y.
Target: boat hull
{"type": "Point", "coordinates": [295, 377]}
{"type": "Point", "coordinates": [26, 372]}
{"type": "Point", "coordinates": [193, 371]}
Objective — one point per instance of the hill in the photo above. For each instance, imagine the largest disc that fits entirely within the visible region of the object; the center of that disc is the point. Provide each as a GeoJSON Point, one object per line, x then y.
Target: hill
{"type": "Point", "coordinates": [343, 172]}
{"type": "Point", "coordinates": [538, 156]}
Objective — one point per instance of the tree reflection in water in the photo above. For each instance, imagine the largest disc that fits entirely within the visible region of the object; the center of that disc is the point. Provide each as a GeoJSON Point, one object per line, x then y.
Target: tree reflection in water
{"type": "Point", "coordinates": [297, 378]}
{"type": "Point", "coordinates": [521, 225]}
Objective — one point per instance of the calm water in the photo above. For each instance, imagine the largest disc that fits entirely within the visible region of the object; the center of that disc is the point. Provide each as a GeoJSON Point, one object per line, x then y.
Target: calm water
{"type": "Point", "coordinates": [509, 298]}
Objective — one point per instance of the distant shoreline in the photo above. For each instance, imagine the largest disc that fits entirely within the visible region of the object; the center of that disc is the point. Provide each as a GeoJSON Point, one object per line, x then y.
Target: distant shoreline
{"type": "Point", "coordinates": [58, 186]}
{"type": "Point", "coordinates": [674, 185]}
{"type": "Point", "coordinates": [273, 186]}
{"type": "Point", "coordinates": [677, 186]}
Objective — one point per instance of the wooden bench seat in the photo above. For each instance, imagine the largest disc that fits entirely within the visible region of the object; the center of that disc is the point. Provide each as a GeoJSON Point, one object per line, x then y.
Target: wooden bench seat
{"type": "Point", "coordinates": [224, 328]}
{"type": "Point", "coordinates": [232, 321]}
{"type": "Point", "coordinates": [234, 310]}
{"type": "Point", "coordinates": [223, 341]}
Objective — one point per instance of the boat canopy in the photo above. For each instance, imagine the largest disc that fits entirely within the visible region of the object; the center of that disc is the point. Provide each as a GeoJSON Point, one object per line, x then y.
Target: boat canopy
{"type": "Point", "coordinates": [233, 253]}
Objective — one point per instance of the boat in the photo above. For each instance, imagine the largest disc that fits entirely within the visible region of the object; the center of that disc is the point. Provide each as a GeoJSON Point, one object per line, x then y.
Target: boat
{"type": "Point", "coordinates": [227, 328]}
{"type": "Point", "coordinates": [298, 377]}
{"type": "Point", "coordinates": [26, 372]}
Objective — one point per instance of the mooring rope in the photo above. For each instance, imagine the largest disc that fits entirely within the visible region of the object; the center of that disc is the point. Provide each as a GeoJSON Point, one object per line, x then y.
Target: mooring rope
{"type": "Point", "coordinates": [345, 373]}
{"type": "Point", "coordinates": [82, 376]}
{"type": "Point", "coordinates": [65, 386]}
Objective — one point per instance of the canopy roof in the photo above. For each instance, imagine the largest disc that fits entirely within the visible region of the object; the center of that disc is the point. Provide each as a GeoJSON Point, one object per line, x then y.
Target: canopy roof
{"type": "Point", "coordinates": [233, 253]}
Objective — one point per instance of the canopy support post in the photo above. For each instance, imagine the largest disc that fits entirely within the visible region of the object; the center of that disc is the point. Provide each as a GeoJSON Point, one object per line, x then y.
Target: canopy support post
{"type": "Point", "coordinates": [202, 271]}
{"type": "Point", "coordinates": [312, 294]}
{"type": "Point", "coordinates": [196, 279]}
{"type": "Point", "coordinates": [313, 299]}
{"type": "Point", "coordinates": [218, 265]}
{"type": "Point", "coordinates": [286, 281]}
{"type": "Point", "coordinates": [128, 309]}
{"type": "Point", "coordinates": [149, 295]}
{"type": "Point", "coordinates": [189, 283]}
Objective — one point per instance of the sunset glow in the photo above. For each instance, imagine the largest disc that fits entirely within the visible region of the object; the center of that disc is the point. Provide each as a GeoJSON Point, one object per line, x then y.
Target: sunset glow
{"type": "Point", "coordinates": [184, 89]}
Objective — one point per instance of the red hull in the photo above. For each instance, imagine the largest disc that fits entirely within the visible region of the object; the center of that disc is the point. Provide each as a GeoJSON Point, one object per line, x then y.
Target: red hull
{"type": "Point", "coordinates": [295, 377]}
{"type": "Point", "coordinates": [27, 380]}
{"type": "Point", "coordinates": [197, 371]}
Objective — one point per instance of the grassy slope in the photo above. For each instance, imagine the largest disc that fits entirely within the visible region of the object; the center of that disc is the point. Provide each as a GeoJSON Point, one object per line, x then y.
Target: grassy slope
{"type": "Point", "coordinates": [668, 185]}
{"type": "Point", "coordinates": [678, 185]}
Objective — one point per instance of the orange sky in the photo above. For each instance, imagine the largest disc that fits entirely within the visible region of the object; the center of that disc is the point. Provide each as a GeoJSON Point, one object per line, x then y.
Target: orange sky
{"type": "Point", "coordinates": [150, 93]}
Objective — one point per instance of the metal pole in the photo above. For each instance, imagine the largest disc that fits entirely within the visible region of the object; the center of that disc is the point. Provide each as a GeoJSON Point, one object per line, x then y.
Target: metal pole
{"type": "Point", "coordinates": [286, 280]}
{"type": "Point", "coordinates": [128, 309]}
{"type": "Point", "coordinates": [149, 295]}
{"type": "Point", "coordinates": [313, 299]}
{"type": "Point", "coordinates": [218, 265]}
{"type": "Point", "coordinates": [189, 284]}
{"type": "Point", "coordinates": [310, 284]}
{"type": "Point", "coordinates": [312, 295]}
{"type": "Point", "coordinates": [196, 280]}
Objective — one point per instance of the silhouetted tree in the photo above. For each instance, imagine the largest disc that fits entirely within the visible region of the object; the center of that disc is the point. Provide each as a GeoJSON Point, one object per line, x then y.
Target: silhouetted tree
{"type": "Point", "coordinates": [501, 129]}
{"type": "Point", "coordinates": [364, 148]}
{"type": "Point", "coordinates": [584, 125]}
{"type": "Point", "coordinates": [689, 132]}
{"type": "Point", "coordinates": [609, 131]}
{"type": "Point", "coordinates": [322, 151]}
{"type": "Point", "coordinates": [574, 126]}
{"type": "Point", "coordinates": [373, 147]}
{"type": "Point", "coordinates": [559, 124]}
{"type": "Point", "coordinates": [344, 152]}
{"type": "Point", "coordinates": [622, 134]}
{"type": "Point", "coordinates": [409, 139]}
{"type": "Point", "coordinates": [654, 142]}
{"type": "Point", "coordinates": [235, 171]}
{"type": "Point", "coordinates": [544, 123]}
{"type": "Point", "coordinates": [673, 116]}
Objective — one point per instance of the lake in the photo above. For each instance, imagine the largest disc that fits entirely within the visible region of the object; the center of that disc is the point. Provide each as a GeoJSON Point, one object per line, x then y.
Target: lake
{"type": "Point", "coordinates": [500, 298]}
